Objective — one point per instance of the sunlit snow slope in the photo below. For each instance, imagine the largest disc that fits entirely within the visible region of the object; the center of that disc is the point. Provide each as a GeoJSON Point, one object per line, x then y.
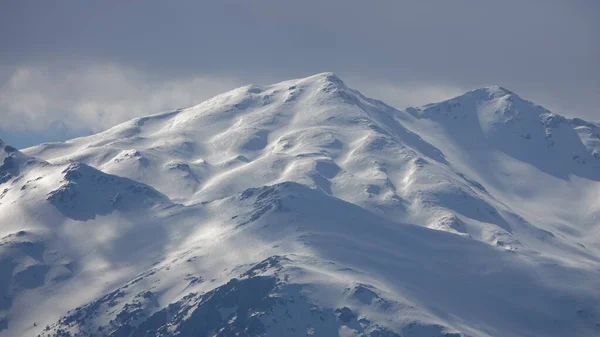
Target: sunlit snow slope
{"type": "Point", "coordinates": [304, 208]}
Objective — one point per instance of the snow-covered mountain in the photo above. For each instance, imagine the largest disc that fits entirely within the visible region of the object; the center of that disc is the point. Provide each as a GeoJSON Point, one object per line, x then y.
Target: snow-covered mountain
{"type": "Point", "coordinates": [304, 208]}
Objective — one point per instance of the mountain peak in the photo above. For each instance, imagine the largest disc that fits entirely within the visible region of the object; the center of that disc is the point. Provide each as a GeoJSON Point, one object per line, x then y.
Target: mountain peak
{"type": "Point", "coordinates": [491, 92]}
{"type": "Point", "coordinates": [493, 104]}
{"type": "Point", "coordinates": [497, 89]}
{"type": "Point", "coordinates": [8, 150]}
{"type": "Point", "coordinates": [327, 81]}
{"type": "Point", "coordinates": [327, 76]}
{"type": "Point", "coordinates": [243, 96]}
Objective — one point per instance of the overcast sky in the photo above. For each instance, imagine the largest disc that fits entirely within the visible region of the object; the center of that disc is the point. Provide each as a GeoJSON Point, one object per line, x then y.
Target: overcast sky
{"type": "Point", "coordinates": [70, 68]}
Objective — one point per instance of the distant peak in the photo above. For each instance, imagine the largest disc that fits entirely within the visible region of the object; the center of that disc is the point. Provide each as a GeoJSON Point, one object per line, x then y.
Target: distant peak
{"type": "Point", "coordinates": [497, 88]}
{"type": "Point", "coordinates": [326, 80]}
{"type": "Point", "coordinates": [7, 148]}
{"type": "Point", "coordinates": [484, 94]}
{"type": "Point", "coordinates": [329, 78]}
{"type": "Point", "coordinates": [493, 91]}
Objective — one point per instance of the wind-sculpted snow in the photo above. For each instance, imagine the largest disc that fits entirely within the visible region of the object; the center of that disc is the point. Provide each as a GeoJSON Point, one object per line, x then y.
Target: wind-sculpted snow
{"type": "Point", "coordinates": [86, 192]}
{"type": "Point", "coordinates": [290, 260]}
{"type": "Point", "coordinates": [304, 208]}
{"type": "Point", "coordinates": [13, 162]}
{"type": "Point", "coordinates": [543, 168]}
{"type": "Point", "coordinates": [501, 120]}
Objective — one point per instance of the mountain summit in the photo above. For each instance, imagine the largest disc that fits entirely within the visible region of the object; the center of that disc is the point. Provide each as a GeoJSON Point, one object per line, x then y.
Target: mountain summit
{"type": "Point", "coordinates": [305, 208]}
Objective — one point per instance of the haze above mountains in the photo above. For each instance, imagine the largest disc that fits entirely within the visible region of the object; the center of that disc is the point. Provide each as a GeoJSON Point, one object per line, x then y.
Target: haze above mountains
{"type": "Point", "coordinates": [305, 208]}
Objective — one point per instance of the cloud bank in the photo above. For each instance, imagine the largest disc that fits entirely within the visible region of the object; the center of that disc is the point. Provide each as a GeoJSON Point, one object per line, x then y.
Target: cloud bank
{"type": "Point", "coordinates": [95, 97]}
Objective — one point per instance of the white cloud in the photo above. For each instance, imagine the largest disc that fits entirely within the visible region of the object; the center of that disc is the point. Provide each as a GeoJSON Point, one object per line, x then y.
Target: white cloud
{"type": "Point", "coordinates": [95, 97]}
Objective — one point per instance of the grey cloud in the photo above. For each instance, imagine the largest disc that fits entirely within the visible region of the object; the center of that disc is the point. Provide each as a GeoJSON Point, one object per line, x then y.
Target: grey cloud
{"type": "Point", "coordinates": [418, 39]}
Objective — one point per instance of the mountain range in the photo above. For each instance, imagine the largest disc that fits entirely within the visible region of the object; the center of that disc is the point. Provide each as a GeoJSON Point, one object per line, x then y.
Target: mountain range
{"type": "Point", "coordinates": [304, 208]}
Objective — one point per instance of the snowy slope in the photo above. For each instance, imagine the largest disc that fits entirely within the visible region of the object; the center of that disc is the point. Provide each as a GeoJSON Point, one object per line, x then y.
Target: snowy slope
{"type": "Point", "coordinates": [543, 166]}
{"type": "Point", "coordinates": [298, 209]}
